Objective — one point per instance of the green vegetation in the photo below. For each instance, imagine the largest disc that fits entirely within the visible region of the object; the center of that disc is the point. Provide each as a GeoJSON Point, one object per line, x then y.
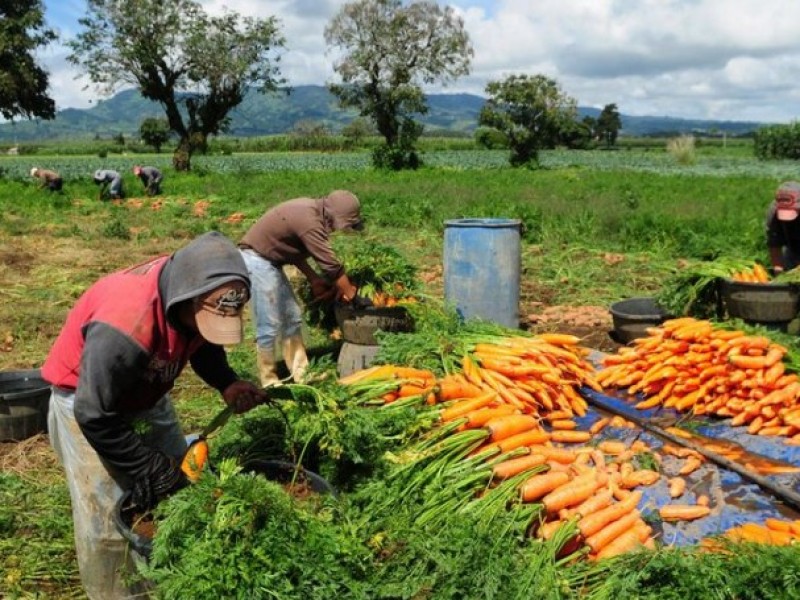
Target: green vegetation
{"type": "Point", "coordinates": [598, 226]}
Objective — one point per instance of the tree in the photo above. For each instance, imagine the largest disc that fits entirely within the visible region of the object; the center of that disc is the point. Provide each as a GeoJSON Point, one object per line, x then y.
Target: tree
{"type": "Point", "coordinates": [154, 132]}
{"type": "Point", "coordinates": [608, 125]}
{"type": "Point", "coordinates": [198, 67]}
{"type": "Point", "coordinates": [532, 111]}
{"type": "Point", "coordinates": [390, 50]}
{"type": "Point", "coordinates": [23, 83]}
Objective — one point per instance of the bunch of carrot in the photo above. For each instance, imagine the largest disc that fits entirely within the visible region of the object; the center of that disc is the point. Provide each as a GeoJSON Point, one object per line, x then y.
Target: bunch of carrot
{"type": "Point", "coordinates": [757, 274]}
{"type": "Point", "coordinates": [690, 365]}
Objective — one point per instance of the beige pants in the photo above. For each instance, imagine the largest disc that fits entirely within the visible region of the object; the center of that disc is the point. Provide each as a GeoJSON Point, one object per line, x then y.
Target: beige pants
{"type": "Point", "coordinates": [104, 559]}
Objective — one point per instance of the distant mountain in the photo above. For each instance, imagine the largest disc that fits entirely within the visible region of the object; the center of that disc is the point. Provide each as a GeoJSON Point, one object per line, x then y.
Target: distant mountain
{"type": "Point", "coordinates": [261, 114]}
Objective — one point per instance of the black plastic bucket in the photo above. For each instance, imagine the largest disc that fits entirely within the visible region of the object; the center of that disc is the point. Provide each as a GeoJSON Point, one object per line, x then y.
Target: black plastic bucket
{"type": "Point", "coordinates": [24, 398]}
{"type": "Point", "coordinates": [632, 318]}
{"type": "Point", "coordinates": [760, 303]}
{"type": "Point", "coordinates": [279, 471]}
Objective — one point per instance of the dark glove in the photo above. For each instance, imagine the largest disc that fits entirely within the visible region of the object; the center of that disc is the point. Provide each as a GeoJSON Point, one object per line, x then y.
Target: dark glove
{"type": "Point", "coordinates": [162, 478]}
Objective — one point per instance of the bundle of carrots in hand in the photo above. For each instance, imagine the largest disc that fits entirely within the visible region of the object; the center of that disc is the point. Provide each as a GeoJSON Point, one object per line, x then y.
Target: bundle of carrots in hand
{"type": "Point", "coordinates": [690, 365]}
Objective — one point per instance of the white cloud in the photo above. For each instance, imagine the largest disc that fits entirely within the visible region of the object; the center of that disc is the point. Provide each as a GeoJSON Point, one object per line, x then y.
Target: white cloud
{"type": "Point", "coordinates": [729, 59]}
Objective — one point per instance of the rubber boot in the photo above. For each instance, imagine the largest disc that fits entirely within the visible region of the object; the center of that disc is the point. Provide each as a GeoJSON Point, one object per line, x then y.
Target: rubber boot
{"type": "Point", "coordinates": [266, 367]}
{"type": "Point", "coordinates": [294, 354]}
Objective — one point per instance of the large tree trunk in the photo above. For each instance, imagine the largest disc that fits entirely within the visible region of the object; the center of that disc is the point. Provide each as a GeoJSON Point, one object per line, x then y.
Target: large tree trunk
{"type": "Point", "coordinates": [182, 159]}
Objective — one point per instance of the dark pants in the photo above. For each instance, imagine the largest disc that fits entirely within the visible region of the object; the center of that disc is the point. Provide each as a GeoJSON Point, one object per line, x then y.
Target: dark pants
{"type": "Point", "coordinates": [55, 185]}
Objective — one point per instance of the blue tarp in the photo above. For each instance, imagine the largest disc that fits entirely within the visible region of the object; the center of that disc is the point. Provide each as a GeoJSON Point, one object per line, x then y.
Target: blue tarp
{"type": "Point", "coordinates": [734, 501]}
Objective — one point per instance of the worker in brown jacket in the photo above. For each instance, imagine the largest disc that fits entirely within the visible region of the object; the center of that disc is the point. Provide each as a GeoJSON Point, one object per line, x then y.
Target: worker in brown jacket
{"type": "Point", "coordinates": [49, 179]}
{"type": "Point", "coordinates": [290, 234]}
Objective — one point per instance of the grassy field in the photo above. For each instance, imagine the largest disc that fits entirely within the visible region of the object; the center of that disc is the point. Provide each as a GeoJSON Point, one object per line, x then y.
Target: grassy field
{"type": "Point", "coordinates": [597, 227]}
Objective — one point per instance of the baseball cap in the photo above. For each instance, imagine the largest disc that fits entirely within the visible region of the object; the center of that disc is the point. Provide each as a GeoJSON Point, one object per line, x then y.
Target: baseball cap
{"type": "Point", "coordinates": [34, 171]}
{"type": "Point", "coordinates": [787, 202]}
{"type": "Point", "coordinates": [219, 313]}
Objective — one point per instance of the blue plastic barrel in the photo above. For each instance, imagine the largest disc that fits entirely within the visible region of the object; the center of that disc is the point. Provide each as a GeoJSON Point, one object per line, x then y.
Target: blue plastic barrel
{"type": "Point", "coordinates": [482, 267]}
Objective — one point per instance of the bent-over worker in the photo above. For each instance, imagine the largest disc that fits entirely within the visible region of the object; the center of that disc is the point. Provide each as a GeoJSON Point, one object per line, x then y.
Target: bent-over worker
{"type": "Point", "coordinates": [48, 179]}
{"type": "Point", "coordinates": [289, 234]}
{"type": "Point", "coordinates": [111, 420]}
{"type": "Point", "coordinates": [110, 183]}
{"type": "Point", "coordinates": [151, 179]}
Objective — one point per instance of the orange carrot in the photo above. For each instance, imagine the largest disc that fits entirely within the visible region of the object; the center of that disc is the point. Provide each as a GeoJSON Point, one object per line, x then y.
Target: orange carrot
{"type": "Point", "coordinates": [479, 418]}
{"type": "Point", "coordinates": [459, 409]}
{"type": "Point", "coordinates": [600, 500]}
{"type": "Point", "coordinates": [612, 447]}
{"type": "Point", "coordinates": [537, 486]}
{"type": "Point", "coordinates": [591, 524]}
{"type": "Point", "coordinates": [572, 493]}
{"type": "Point", "coordinates": [409, 389]}
{"type": "Point", "coordinates": [629, 540]}
{"type": "Point", "coordinates": [744, 361]}
{"type": "Point", "coordinates": [452, 388]}
{"type": "Point", "coordinates": [677, 485]}
{"type": "Point", "coordinates": [563, 424]}
{"type": "Point", "coordinates": [682, 512]}
{"type": "Point", "coordinates": [570, 437]}
{"type": "Point", "coordinates": [691, 465]}
{"type": "Point", "coordinates": [599, 425]}
{"type": "Point", "coordinates": [501, 428]}
{"type": "Point", "coordinates": [613, 530]}
{"type": "Point", "coordinates": [525, 438]}
{"type": "Point", "coordinates": [643, 477]}
{"type": "Point", "coordinates": [515, 466]}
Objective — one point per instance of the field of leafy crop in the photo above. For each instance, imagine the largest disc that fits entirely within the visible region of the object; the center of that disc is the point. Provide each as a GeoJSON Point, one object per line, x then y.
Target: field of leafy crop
{"type": "Point", "coordinates": [597, 227]}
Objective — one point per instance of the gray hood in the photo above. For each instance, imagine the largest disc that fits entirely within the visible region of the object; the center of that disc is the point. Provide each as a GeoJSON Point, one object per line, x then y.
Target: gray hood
{"type": "Point", "coordinates": [199, 267]}
{"type": "Point", "coordinates": [342, 210]}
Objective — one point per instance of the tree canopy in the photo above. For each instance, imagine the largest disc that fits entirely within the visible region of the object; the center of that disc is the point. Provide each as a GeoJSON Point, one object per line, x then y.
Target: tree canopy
{"type": "Point", "coordinates": [23, 83]}
{"type": "Point", "coordinates": [390, 49]}
{"type": "Point", "coordinates": [197, 66]}
{"type": "Point", "coordinates": [608, 125]}
{"type": "Point", "coordinates": [532, 111]}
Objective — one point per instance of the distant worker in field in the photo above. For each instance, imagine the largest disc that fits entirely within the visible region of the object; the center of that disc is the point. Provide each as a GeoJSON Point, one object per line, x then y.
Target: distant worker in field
{"type": "Point", "coordinates": [48, 179]}
{"type": "Point", "coordinates": [151, 178]}
{"type": "Point", "coordinates": [783, 228]}
{"type": "Point", "coordinates": [110, 183]}
{"type": "Point", "coordinates": [111, 420]}
{"type": "Point", "coordinates": [289, 234]}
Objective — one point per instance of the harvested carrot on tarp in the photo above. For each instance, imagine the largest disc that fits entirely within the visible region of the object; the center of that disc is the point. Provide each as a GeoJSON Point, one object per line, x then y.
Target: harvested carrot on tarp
{"type": "Point", "coordinates": [538, 485]}
{"type": "Point", "coordinates": [677, 485]}
{"type": "Point", "coordinates": [683, 512]}
{"type": "Point", "coordinates": [463, 407]}
{"type": "Point", "coordinates": [591, 524]}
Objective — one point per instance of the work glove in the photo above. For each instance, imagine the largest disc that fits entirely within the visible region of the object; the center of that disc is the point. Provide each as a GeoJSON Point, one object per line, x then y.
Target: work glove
{"type": "Point", "coordinates": [345, 290]}
{"type": "Point", "coordinates": [162, 477]}
{"type": "Point", "coordinates": [243, 396]}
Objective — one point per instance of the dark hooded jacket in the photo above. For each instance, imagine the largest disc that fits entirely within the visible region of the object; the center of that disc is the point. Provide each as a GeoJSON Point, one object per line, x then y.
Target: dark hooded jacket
{"type": "Point", "coordinates": [298, 229]}
{"type": "Point", "coordinates": [122, 346]}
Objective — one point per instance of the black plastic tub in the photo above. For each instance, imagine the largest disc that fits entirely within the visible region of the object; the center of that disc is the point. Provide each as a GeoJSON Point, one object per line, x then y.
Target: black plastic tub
{"type": "Point", "coordinates": [279, 471]}
{"type": "Point", "coordinates": [632, 318]}
{"type": "Point", "coordinates": [359, 325]}
{"type": "Point", "coordinates": [24, 399]}
{"type": "Point", "coordinates": [760, 303]}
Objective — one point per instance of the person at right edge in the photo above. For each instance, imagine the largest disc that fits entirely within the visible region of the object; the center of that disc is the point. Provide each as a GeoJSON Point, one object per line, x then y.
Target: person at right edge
{"type": "Point", "coordinates": [783, 228]}
{"type": "Point", "coordinates": [289, 234]}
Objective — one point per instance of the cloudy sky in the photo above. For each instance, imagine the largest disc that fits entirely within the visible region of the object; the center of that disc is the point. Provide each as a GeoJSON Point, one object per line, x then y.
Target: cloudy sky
{"type": "Point", "coordinates": [733, 60]}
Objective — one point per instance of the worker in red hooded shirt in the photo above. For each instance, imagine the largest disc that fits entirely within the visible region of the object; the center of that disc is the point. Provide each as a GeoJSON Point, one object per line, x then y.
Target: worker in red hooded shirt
{"type": "Point", "coordinates": [111, 420]}
{"type": "Point", "coordinates": [783, 227]}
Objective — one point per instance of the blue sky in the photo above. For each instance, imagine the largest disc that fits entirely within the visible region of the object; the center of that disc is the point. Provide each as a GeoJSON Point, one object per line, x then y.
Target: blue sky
{"type": "Point", "coordinates": [709, 59]}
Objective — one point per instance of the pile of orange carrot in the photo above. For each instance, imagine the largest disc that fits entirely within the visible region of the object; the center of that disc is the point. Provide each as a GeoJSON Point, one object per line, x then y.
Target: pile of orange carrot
{"type": "Point", "coordinates": [690, 365]}
{"type": "Point", "coordinates": [775, 532]}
